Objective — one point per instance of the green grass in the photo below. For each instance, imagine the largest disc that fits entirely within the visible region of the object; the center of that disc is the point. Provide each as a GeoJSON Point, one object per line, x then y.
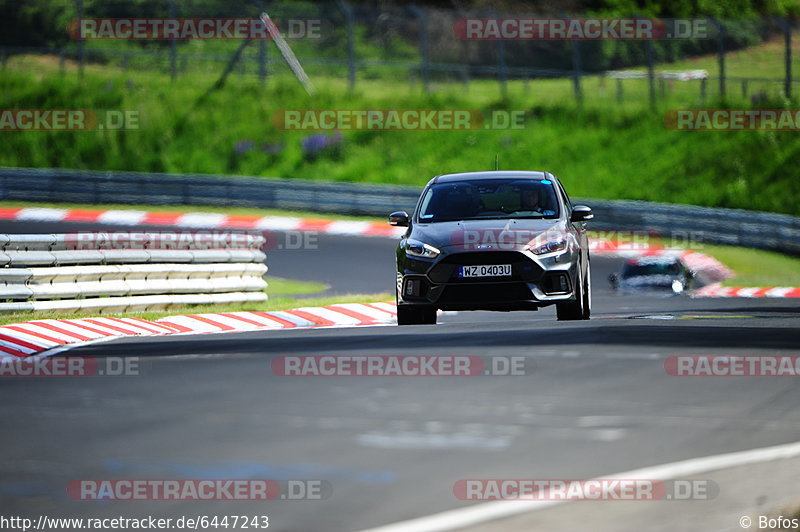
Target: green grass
{"type": "Point", "coordinates": [283, 295]}
{"type": "Point", "coordinates": [600, 149]}
{"type": "Point", "coordinates": [278, 287]}
{"type": "Point", "coordinates": [756, 267]}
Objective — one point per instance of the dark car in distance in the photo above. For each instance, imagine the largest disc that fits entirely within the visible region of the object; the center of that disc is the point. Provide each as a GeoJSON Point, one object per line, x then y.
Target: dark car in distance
{"type": "Point", "coordinates": [666, 274]}
{"type": "Point", "coordinates": [496, 240]}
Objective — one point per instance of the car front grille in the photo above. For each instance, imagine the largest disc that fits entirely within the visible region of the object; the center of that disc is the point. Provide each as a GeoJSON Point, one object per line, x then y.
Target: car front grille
{"type": "Point", "coordinates": [486, 293]}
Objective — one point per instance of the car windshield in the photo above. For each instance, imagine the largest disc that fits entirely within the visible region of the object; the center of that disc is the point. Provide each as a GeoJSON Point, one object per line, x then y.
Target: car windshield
{"type": "Point", "coordinates": [637, 270]}
{"type": "Point", "coordinates": [489, 199]}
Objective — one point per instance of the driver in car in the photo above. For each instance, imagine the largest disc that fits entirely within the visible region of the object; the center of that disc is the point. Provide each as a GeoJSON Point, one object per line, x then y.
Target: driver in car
{"type": "Point", "coordinates": [530, 200]}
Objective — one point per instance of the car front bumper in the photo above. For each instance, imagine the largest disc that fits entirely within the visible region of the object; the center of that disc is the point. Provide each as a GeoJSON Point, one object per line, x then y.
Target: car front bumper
{"type": "Point", "coordinates": [535, 281]}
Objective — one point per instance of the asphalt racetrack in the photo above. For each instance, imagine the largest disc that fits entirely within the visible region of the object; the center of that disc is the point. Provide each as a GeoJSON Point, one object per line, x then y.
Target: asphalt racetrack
{"type": "Point", "coordinates": [594, 399]}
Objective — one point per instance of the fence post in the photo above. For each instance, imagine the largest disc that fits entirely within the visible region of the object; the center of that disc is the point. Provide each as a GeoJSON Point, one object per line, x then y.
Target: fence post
{"type": "Point", "coordinates": [173, 46]}
{"type": "Point", "coordinates": [720, 54]}
{"type": "Point", "coordinates": [703, 90]}
{"type": "Point", "coordinates": [351, 50]}
{"type": "Point", "coordinates": [501, 66]}
{"type": "Point", "coordinates": [787, 39]}
{"type": "Point", "coordinates": [464, 44]}
{"type": "Point", "coordinates": [619, 91]}
{"type": "Point", "coordinates": [262, 61]}
{"type": "Point", "coordinates": [263, 52]}
{"type": "Point", "coordinates": [423, 44]}
{"type": "Point", "coordinates": [651, 75]}
{"type": "Point", "coordinates": [501, 60]}
{"type": "Point", "coordinates": [722, 60]}
{"type": "Point", "coordinates": [576, 67]}
{"type": "Point", "coordinates": [79, 7]}
{"type": "Point", "coordinates": [576, 70]}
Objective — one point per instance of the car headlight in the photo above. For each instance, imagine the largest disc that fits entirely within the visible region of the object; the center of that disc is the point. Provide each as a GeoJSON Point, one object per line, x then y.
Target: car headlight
{"type": "Point", "coordinates": [551, 246]}
{"type": "Point", "coordinates": [677, 286]}
{"type": "Point", "coordinates": [415, 248]}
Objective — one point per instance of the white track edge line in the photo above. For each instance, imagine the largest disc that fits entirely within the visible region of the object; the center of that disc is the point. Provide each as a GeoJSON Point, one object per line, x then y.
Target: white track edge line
{"type": "Point", "coordinates": [490, 511]}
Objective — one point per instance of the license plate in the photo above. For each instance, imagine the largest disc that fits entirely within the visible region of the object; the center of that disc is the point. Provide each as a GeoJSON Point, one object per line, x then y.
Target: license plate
{"type": "Point", "coordinates": [489, 270]}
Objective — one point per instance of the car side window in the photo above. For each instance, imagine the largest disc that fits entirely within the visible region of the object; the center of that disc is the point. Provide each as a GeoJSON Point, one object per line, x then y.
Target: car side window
{"type": "Point", "coordinates": [423, 204]}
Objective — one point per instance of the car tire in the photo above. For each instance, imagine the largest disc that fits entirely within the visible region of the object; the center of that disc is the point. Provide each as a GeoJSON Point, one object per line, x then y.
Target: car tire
{"type": "Point", "coordinates": [574, 310]}
{"type": "Point", "coordinates": [416, 315]}
{"type": "Point", "coordinates": [587, 292]}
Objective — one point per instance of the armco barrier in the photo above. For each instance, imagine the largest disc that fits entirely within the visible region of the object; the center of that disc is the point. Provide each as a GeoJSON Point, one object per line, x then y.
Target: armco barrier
{"type": "Point", "coordinates": [728, 226]}
{"type": "Point", "coordinates": [55, 272]}
{"type": "Point", "coordinates": [55, 185]}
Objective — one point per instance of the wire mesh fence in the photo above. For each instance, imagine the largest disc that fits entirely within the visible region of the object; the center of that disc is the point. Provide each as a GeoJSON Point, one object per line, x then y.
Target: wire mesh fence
{"type": "Point", "coordinates": [423, 48]}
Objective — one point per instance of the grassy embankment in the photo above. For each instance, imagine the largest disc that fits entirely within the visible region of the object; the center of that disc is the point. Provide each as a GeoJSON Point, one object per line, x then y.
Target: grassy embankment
{"type": "Point", "coordinates": [601, 149]}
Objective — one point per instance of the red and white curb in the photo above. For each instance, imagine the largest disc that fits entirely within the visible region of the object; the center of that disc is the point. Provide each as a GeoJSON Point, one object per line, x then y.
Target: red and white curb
{"type": "Point", "coordinates": [51, 336]}
{"type": "Point", "coordinates": [717, 290]}
{"type": "Point", "coordinates": [32, 337]}
{"type": "Point", "coordinates": [200, 220]}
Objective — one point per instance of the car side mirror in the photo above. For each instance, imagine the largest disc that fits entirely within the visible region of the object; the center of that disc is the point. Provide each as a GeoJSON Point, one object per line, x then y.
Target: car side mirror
{"type": "Point", "coordinates": [613, 279]}
{"type": "Point", "coordinates": [581, 213]}
{"type": "Point", "coordinates": [399, 219]}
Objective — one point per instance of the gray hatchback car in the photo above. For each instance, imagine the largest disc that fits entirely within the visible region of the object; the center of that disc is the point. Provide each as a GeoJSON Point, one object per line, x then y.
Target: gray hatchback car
{"type": "Point", "coordinates": [499, 240]}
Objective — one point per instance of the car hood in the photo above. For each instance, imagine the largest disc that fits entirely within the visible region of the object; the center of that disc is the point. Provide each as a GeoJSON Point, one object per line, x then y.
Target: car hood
{"type": "Point", "coordinates": [482, 235]}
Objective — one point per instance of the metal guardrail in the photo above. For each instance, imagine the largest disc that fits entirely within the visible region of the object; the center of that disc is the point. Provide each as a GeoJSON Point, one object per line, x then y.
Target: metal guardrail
{"type": "Point", "coordinates": [57, 272]}
{"type": "Point", "coordinates": [753, 229]}
{"type": "Point", "coordinates": [735, 227]}
{"type": "Point", "coordinates": [55, 185]}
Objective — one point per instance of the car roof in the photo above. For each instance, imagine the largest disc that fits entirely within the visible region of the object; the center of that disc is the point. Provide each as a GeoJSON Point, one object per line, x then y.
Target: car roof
{"type": "Point", "coordinates": [493, 174]}
{"type": "Point", "coordinates": [654, 259]}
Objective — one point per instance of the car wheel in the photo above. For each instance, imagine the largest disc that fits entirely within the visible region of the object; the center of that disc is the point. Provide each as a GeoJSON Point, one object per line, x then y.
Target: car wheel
{"type": "Point", "coordinates": [574, 310]}
{"type": "Point", "coordinates": [416, 315]}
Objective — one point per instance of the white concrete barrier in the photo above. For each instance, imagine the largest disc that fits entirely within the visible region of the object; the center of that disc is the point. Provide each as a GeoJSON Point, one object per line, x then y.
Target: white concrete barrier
{"type": "Point", "coordinates": [85, 272]}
